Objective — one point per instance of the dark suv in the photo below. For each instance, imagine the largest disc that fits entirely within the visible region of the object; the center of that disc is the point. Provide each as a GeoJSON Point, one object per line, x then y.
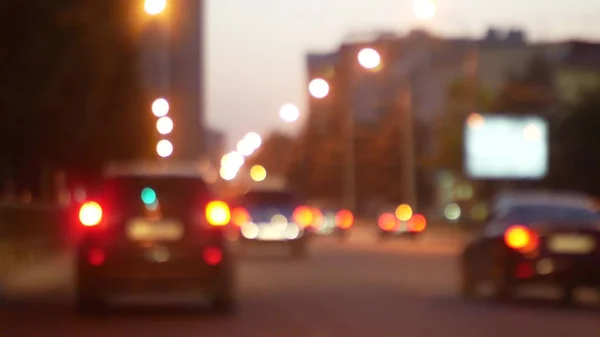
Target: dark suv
{"type": "Point", "coordinates": [153, 233]}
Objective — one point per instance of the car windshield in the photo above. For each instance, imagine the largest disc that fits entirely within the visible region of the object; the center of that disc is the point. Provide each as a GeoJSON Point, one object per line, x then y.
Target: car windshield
{"type": "Point", "coordinates": [131, 186]}
{"type": "Point", "coordinates": [529, 213]}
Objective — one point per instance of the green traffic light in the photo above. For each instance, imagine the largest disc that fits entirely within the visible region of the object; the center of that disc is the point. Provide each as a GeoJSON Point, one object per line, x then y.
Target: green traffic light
{"type": "Point", "coordinates": [148, 196]}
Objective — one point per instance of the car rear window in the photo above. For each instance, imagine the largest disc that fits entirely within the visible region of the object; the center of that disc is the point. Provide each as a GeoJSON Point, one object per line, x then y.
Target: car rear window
{"type": "Point", "coordinates": [271, 198]}
{"type": "Point", "coordinates": [531, 213]}
{"type": "Point", "coordinates": [174, 187]}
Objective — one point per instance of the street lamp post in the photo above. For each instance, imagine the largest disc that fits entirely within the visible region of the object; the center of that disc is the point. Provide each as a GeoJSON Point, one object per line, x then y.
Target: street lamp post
{"type": "Point", "coordinates": [368, 59]}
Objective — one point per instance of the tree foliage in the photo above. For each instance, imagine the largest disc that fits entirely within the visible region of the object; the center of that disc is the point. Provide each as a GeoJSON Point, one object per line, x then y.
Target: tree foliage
{"type": "Point", "coordinates": [70, 96]}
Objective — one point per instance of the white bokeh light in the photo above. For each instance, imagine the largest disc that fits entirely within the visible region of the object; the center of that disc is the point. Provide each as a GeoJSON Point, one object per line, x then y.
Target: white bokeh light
{"type": "Point", "coordinates": [318, 88]}
{"type": "Point", "coordinates": [289, 113]}
{"type": "Point", "coordinates": [369, 58]}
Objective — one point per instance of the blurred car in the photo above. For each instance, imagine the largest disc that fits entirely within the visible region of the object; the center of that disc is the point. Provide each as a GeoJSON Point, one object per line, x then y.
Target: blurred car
{"type": "Point", "coordinates": [153, 233]}
{"type": "Point", "coordinates": [274, 217]}
{"type": "Point", "coordinates": [332, 220]}
{"type": "Point", "coordinates": [534, 240]}
{"type": "Point", "coordinates": [389, 225]}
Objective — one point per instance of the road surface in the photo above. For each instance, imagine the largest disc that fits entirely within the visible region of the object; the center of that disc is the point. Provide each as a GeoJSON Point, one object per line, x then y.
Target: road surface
{"type": "Point", "coordinates": [360, 288]}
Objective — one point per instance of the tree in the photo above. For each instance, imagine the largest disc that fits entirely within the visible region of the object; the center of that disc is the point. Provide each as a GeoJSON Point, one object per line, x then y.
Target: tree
{"type": "Point", "coordinates": [70, 96]}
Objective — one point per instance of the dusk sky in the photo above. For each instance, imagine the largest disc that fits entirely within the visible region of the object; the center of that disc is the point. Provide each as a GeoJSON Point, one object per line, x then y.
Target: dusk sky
{"type": "Point", "coordinates": [256, 48]}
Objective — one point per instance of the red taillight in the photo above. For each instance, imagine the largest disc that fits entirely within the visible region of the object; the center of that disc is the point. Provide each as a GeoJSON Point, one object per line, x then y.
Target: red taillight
{"type": "Point", "coordinates": [90, 214]}
{"type": "Point", "coordinates": [387, 222]}
{"type": "Point", "coordinates": [521, 238]}
{"type": "Point", "coordinates": [303, 216]}
{"type": "Point", "coordinates": [96, 257]}
{"type": "Point", "coordinates": [344, 219]}
{"type": "Point", "coordinates": [218, 213]}
{"type": "Point", "coordinates": [212, 256]}
{"type": "Point", "coordinates": [418, 223]}
{"type": "Point", "coordinates": [240, 216]}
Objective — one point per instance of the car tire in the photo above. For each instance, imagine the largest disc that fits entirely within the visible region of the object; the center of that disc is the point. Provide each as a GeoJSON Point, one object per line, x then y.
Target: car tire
{"type": "Point", "coordinates": [468, 283]}
{"type": "Point", "coordinates": [502, 287]}
{"type": "Point", "coordinates": [568, 295]}
{"type": "Point", "coordinates": [224, 305]}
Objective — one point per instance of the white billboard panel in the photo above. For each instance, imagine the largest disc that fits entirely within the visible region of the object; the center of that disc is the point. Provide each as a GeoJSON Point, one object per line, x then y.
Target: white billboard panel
{"type": "Point", "coordinates": [506, 147]}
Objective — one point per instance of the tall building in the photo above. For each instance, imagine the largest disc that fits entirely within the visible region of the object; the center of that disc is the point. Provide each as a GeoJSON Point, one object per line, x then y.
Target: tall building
{"type": "Point", "coordinates": [172, 67]}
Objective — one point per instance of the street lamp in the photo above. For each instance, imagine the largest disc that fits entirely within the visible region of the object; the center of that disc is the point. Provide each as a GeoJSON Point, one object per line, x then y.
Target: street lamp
{"type": "Point", "coordinates": [155, 7]}
{"type": "Point", "coordinates": [289, 113]}
{"type": "Point", "coordinates": [258, 173]}
{"type": "Point", "coordinates": [160, 107]}
{"type": "Point", "coordinates": [318, 88]}
{"type": "Point", "coordinates": [369, 58]}
{"type": "Point", "coordinates": [164, 125]}
{"type": "Point", "coordinates": [164, 148]}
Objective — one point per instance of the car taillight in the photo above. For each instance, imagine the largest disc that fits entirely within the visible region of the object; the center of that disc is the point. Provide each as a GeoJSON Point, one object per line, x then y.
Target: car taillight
{"type": "Point", "coordinates": [240, 216]}
{"type": "Point", "coordinates": [218, 213]}
{"type": "Point", "coordinates": [90, 214]}
{"type": "Point", "coordinates": [521, 238]}
{"type": "Point", "coordinates": [418, 223]}
{"type": "Point", "coordinates": [344, 219]}
{"type": "Point", "coordinates": [387, 222]}
{"type": "Point", "coordinates": [303, 216]}
{"type": "Point", "coordinates": [212, 256]}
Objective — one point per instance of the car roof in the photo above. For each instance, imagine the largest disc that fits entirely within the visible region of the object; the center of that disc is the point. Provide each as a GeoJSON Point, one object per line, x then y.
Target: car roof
{"type": "Point", "coordinates": [513, 199]}
{"type": "Point", "coordinates": [158, 170]}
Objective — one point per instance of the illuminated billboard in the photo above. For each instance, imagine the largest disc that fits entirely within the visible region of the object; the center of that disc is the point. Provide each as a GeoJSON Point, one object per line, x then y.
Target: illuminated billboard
{"type": "Point", "coordinates": [506, 147]}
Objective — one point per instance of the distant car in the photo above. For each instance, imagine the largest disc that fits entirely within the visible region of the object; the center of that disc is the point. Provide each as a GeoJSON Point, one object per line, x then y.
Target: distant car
{"type": "Point", "coordinates": [274, 217]}
{"type": "Point", "coordinates": [534, 241]}
{"type": "Point", "coordinates": [153, 233]}
{"type": "Point", "coordinates": [335, 222]}
{"type": "Point", "coordinates": [389, 226]}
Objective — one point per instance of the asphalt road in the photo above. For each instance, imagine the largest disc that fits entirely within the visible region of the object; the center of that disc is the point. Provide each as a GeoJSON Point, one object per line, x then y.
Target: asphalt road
{"type": "Point", "coordinates": [360, 288]}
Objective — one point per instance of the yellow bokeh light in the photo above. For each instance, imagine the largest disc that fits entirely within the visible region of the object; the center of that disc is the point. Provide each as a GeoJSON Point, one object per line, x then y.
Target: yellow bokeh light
{"type": "Point", "coordinates": [318, 88]}
{"type": "Point", "coordinates": [160, 107]}
{"type": "Point", "coordinates": [154, 7]}
{"type": "Point", "coordinates": [404, 212]}
{"type": "Point", "coordinates": [164, 125]}
{"type": "Point", "coordinates": [164, 148]}
{"type": "Point", "coordinates": [258, 173]}
{"type": "Point", "coordinates": [369, 58]}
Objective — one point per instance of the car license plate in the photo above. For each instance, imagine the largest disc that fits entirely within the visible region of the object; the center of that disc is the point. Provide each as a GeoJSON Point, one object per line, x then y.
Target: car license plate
{"type": "Point", "coordinates": [270, 232]}
{"type": "Point", "coordinates": [163, 230]}
{"type": "Point", "coordinates": [571, 244]}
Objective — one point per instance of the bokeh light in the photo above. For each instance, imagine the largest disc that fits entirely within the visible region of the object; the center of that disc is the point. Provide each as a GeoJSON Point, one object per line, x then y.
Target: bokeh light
{"type": "Point", "coordinates": [318, 88]}
{"type": "Point", "coordinates": [404, 212]}
{"type": "Point", "coordinates": [253, 139]}
{"type": "Point", "coordinates": [369, 58]}
{"type": "Point", "coordinates": [289, 113]}
{"type": "Point", "coordinates": [232, 159]}
{"type": "Point", "coordinates": [452, 212]}
{"type": "Point", "coordinates": [160, 107]}
{"type": "Point", "coordinates": [258, 173]}
{"type": "Point", "coordinates": [164, 148]}
{"type": "Point", "coordinates": [245, 148]}
{"type": "Point", "coordinates": [531, 132]}
{"type": "Point", "coordinates": [154, 7]}
{"type": "Point", "coordinates": [228, 173]}
{"type": "Point", "coordinates": [164, 125]}
{"type": "Point", "coordinates": [475, 121]}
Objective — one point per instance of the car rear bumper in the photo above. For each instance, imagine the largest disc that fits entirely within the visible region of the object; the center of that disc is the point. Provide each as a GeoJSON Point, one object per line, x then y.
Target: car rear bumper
{"type": "Point", "coordinates": [558, 270]}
